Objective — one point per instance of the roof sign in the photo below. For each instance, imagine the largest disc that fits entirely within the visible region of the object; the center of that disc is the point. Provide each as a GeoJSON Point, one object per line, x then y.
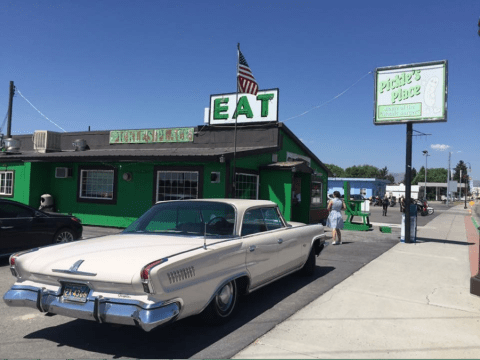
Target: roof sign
{"type": "Point", "coordinates": [150, 136]}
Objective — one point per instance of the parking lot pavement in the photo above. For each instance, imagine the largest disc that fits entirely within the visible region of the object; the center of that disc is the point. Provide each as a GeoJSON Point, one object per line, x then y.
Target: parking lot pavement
{"type": "Point", "coordinates": [96, 231]}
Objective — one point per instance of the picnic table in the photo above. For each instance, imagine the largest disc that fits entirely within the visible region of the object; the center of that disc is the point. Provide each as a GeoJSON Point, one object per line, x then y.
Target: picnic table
{"type": "Point", "coordinates": [354, 208]}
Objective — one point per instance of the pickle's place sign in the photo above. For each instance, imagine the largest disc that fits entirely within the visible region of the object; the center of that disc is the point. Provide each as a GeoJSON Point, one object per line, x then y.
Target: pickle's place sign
{"type": "Point", "coordinates": [411, 93]}
{"type": "Point", "coordinates": [150, 136]}
{"type": "Point", "coordinates": [262, 107]}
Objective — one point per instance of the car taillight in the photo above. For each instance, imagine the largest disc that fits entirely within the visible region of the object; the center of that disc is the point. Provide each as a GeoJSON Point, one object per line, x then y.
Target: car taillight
{"type": "Point", "coordinates": [145, 275]}
{"type": "Point", "coordinates": [13, 260]}
{"type": "Point", "coordinates": [13, 269]}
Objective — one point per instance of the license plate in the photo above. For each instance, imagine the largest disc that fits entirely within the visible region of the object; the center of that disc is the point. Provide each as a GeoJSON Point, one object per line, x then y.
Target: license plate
{"type": "Point", "coordinates": [75, 292]}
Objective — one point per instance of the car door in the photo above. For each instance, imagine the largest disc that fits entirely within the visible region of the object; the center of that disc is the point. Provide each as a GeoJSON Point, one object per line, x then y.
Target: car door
{"type": "Point", "coordinates": [261, 247]}
{"type": "Point", "coordinates": [15, 227]}
{"type": "Point", "coordinates": [288, 239]}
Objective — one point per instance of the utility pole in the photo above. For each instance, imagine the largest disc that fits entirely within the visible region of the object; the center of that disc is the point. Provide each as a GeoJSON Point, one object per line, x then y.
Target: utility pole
{"type": "Point", "coordinates": [408, 179]}
{"type": "Point", "coordinates": [460, 197]}
{"type": "Point", "coordinates": [10, 105]}
{"type": "Point", "coordinates": [448, 178]}
{"type": "Point", "coordinates": [425, 152]}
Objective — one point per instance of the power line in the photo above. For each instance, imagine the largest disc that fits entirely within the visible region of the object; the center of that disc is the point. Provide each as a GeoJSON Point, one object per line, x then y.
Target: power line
{"type": "Point", "coordinates": [4, 121]}
{"type": "Point", "coordinates": [18, 91]}
{"type": "Point", "coordinates": [326, 102]}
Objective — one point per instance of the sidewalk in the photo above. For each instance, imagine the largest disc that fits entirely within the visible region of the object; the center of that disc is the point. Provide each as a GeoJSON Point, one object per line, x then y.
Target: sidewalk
{"type": "Point", "coordinates": [413, 301]}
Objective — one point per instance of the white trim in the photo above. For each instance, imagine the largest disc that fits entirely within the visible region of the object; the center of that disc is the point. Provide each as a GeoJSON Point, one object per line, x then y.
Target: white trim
{"type": "Point", "coordinates": [5, 173]}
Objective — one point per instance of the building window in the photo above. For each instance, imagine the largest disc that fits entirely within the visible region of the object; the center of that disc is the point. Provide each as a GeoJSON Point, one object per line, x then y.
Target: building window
{"type": "Point", "coordinates": [177, 185]}
{"type": "Point", "coordinates": [246, 186]}
{"type": "Point", "coordinates": [6, 183]}
{"type": "Point", "coordinates": [97, 185]}
{"type": "Point", "coordinates": [317, 192]}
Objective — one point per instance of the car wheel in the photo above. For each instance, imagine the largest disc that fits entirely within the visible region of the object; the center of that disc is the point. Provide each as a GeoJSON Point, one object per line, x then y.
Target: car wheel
{"type": "Point", "coordinates": [309, 267]}
{"type": "Point", "coordinates": [63, 236]}
{"type": "Point", "coordinates": [222, 304]}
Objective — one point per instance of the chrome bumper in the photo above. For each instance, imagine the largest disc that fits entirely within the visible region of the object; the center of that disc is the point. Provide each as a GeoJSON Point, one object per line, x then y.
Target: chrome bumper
{"type": "Point", "coordinates": [100, 309]}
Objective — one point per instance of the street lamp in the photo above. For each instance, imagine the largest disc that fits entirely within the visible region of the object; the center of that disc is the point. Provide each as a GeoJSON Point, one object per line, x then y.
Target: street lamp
{"type": "Point", "coordinates": [425, 152]}
{"type": "Point", "coordinates": [466, 178]}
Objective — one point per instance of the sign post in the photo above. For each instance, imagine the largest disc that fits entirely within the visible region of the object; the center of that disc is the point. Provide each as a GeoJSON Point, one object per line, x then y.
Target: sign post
{"type": "Point", "coordinates": [407, 94]}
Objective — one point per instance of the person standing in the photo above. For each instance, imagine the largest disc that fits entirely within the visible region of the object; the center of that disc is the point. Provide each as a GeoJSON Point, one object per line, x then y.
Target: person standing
{"type": "Point", "coordinates": [385, 204]}
{"type": "Point", "coordinates": [335, 219]}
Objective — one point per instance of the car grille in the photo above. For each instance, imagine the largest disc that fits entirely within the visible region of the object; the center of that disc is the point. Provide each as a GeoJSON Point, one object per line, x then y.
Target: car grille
{"type": "Point", "coordinates": [181, 274]}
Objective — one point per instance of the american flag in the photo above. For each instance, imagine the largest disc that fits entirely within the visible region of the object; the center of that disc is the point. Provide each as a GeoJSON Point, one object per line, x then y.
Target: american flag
{"type": "Point", "coordinates": [246, 81]}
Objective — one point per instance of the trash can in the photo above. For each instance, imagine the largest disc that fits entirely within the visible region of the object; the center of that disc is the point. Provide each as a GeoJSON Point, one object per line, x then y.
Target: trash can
{"type": "Point", "coordinates": [46, 203]}
{"type": "Point", "coordinates": [413, 225]}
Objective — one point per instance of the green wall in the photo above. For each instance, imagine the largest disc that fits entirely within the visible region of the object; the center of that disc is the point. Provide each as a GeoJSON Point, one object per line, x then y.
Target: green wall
{"type": "Point", "coordinates": [276, 186]}
{"type": "Point", "coordinates": [21, 181]}
{"type": "Point", "coordinates": [32, 180]}
{"type": "Point", "coordinates": [290, 146]}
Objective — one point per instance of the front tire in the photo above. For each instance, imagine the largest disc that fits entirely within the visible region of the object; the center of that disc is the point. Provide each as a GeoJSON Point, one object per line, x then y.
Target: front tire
{"type": "Point", "coordinates": [63, 235]}
{"type": "Point", "coordinates": [222, 305]}
{"type": "Point", "coordinates": [309, 268]}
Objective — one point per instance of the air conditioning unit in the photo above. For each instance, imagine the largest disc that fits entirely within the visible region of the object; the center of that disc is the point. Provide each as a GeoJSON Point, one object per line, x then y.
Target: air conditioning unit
{"type": "Point", "coordinates": [63, 172]}
{"type": "Point", "coordinates": [45, 141]}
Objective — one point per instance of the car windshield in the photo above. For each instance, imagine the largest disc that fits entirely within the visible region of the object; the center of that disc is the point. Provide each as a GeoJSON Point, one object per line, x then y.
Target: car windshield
{"type": "Point", "coordinates": [186, 217]}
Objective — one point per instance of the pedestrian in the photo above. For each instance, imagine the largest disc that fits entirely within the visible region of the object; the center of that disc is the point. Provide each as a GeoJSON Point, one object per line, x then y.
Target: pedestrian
{"type": "Point", "coordinates": [385, 204]}
{"type": "Point", "coordinates": [335, 219]}
{"type": "Point", "coordinates": [402, 204]}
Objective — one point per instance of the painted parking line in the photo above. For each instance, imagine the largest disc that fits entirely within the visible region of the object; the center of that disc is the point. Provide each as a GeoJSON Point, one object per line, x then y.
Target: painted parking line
{"type": "Point", "coordinates": [398, 226]}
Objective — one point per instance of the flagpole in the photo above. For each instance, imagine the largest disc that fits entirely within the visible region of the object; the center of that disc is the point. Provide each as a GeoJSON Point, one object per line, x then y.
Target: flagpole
{"type": "Point", "coordinates": [234, 184]}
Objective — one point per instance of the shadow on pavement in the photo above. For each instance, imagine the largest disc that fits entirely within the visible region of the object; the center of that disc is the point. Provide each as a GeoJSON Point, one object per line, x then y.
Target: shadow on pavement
{"type": "Point", "coordinates": [452, 242]}
{"type": "Point", "coordinates": [182, 339]}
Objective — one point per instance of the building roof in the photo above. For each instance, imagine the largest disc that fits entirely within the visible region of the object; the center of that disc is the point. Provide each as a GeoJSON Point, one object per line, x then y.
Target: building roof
{"type": "Point", "coordinates": [208, 143]}
{"type": "Point", "coordinates": [359, 179]}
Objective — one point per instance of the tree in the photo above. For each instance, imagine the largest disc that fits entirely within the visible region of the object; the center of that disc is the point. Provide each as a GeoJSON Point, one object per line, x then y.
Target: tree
{"type": "Point", "coordinates": [337, 171]}
{"type": "Point", "coordinates": [413, 175]}
{"type": "Point", "coordinates": [456, 176]}
{"type": "Point", "coordinates": [362, 171]}
{"type": "Point", "coordinates": [369, 171]}
{"type": "Point", "coordinates": [433, 175]}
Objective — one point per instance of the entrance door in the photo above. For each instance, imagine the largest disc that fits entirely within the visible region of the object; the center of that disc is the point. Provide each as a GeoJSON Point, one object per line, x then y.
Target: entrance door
{"type": "Point", "coordinates": [301, 196]}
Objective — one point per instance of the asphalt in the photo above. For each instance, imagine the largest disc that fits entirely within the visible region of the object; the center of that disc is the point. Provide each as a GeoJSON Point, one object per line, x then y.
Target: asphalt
{"type": "Point", "coordinates": [413, 301]}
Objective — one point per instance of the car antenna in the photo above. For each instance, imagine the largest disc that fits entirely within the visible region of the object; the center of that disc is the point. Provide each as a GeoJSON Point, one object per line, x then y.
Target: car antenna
{"type": "Point", "coordinates": [205, 237]}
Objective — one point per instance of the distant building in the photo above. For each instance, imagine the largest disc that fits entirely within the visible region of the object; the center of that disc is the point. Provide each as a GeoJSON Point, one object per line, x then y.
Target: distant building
{"type": "Point", "coordinates": [367, 187]}
{"type": "Point", "coordinates": [399, 190]}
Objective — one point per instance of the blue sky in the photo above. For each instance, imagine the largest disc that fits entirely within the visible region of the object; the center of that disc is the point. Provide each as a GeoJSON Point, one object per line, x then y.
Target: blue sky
{"type": "Point", "coordinates": [153, 64]}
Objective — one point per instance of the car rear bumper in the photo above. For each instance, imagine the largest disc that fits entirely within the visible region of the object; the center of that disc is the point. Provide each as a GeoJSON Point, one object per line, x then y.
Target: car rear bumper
{"type": "Point", "coordinates": [100, 309]}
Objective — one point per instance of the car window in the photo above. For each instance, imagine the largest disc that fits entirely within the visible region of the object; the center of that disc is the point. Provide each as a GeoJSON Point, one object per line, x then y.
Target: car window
{"type": "Point", "coordinates": [253, 222]}
{"type": "Point", "coordinates": [186, 217]}
{"type": "Point", "coordinates": [272, 219]}
{"type": "Point", "coordinates": [9, 211]}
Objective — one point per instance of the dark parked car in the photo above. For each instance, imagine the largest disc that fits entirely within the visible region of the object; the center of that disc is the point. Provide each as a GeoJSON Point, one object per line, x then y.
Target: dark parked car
{"type": "Point", "coordinates": [23, 227]}
{"type": "Point", "coordinates": [356, 197]}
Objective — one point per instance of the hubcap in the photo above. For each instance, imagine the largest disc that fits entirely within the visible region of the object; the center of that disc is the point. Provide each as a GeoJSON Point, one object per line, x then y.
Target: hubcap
{"type": "Point", "coordinates": [64, 237]}
{"type": "Point", "coordinates": [225, 297]}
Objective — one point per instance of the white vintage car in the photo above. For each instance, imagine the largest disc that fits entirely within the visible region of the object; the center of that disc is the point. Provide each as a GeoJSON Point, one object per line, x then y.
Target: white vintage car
{"type": "Point", "coordinates": [180, 258]}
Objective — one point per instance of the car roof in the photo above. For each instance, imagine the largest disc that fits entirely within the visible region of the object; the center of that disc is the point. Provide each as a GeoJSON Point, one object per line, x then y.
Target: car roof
{"type": "Point", "coordinates": [238, 203]}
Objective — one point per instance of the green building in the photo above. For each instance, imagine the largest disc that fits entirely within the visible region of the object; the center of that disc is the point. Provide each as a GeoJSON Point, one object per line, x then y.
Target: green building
{"type": "Point", "coordinates": [110, 178]}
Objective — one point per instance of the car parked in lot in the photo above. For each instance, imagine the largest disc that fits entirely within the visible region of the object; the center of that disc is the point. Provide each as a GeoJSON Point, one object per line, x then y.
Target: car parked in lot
{"type": "Point", "coordinates": [23, 227]}
{"type": "Point", "coordinates": [356, 197]}
{"type": "Point", "coordinates": [179, 259]}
